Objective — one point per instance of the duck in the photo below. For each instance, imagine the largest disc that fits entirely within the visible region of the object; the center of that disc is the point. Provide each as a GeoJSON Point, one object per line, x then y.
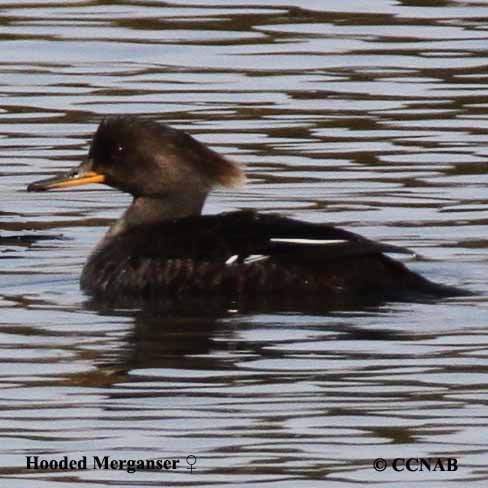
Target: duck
{"type": "Point", "coordinates": [164, 248]}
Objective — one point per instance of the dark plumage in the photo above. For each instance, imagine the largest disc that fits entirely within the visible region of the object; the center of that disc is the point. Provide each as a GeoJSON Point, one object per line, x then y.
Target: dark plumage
{"type": "Point", "coordinates": [240, 254]}
{"type": "Point", "coordinates": [162, 248]}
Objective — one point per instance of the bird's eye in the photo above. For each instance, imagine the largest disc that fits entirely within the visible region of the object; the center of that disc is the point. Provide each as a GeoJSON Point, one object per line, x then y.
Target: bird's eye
{"type": "Point", "coordinates": [118, 152]}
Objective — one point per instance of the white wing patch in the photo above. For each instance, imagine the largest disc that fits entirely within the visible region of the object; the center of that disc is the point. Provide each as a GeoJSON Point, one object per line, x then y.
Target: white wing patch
{"type": "Point", "coordinates": [255, 258]}
{"type": "Point", "coordinates": [232, 260]}
{"type": "Point", "coordinates": [311, 242]}
{"type": "Point", "coordinates": [252, 258]}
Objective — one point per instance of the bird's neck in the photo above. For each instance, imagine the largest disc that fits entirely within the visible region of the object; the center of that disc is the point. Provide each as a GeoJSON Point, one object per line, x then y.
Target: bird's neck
{"type": "Point", "coordinates": [153, 210]}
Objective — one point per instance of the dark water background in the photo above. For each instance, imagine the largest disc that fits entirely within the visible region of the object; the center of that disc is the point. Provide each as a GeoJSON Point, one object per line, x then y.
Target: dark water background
{"type": "Point", "coordinates": [369, 114]}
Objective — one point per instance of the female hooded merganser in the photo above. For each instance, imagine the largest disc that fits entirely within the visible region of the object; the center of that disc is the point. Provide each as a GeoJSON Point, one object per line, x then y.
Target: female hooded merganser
{"type": "Point", "coordinates": [163, 248]}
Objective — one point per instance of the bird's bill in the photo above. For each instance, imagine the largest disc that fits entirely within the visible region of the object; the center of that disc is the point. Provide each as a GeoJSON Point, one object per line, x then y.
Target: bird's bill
{"type": "Point", "coordinates": [82, 175]}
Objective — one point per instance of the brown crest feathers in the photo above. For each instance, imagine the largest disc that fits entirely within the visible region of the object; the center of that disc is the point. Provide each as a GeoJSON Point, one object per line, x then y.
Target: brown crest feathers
{"type": "Point", "coordinates": [221, 170]}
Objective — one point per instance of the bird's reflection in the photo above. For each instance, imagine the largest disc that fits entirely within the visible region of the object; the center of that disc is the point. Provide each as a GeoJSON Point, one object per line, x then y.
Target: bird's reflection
{"type": "Point", "coordinates": [164, 335]}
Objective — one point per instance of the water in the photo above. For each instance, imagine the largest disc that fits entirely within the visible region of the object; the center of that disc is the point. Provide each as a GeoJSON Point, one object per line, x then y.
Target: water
{"type": "Point", "coordinates": [371, 115]}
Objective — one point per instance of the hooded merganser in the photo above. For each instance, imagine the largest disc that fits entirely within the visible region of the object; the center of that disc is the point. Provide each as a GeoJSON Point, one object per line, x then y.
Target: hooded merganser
{"type": "Point", "coordinates": [162, 247]}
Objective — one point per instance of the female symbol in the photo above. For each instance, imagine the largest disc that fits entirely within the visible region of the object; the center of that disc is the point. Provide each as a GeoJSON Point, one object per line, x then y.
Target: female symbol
{"type": "Point", "coordinates": [191, 460]}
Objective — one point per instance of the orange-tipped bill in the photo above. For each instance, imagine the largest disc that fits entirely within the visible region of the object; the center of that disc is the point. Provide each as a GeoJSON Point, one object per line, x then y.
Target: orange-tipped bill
{"type": "Point", "coordinates": [76, 177]}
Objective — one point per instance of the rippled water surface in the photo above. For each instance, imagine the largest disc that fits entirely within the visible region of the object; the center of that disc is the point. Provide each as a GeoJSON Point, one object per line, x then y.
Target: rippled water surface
{"type": "Point", "coordinates": [368, 114]}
